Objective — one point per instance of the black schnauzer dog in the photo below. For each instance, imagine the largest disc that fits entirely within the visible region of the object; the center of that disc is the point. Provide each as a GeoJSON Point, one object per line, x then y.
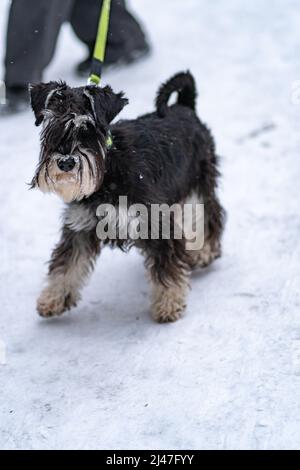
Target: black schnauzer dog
{"type": "Point", "coordinates": [163, 158]}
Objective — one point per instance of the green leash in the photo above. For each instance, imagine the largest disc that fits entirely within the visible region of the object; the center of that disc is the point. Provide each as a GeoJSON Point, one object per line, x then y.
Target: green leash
{"type": "Point", "coordinates": [100, 45]}
{"type": "Point", "coordinates": [99, 53]}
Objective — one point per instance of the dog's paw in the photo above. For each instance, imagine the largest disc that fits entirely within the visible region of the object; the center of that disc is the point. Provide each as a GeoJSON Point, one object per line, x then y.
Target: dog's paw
{"type": "Point", "coordinates": [169, 303]}
{"type": "Point", "coordinates": [167, 310]}
{"type": "Point", "coordinates": [204, 257]}
{"type": "Point", "coordinates": [51, 303]}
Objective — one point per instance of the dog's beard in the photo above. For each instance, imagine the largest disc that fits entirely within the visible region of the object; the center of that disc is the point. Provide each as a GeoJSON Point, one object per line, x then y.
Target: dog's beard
{"type": "Point", "coordinates": [82, 181]}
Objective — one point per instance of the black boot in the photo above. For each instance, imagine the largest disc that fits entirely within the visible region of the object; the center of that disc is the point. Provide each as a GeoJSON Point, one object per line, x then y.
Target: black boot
{"type": "Point", "coordinates": [17, 100]}
{"type": "Point", "coordinates": [115, 55]}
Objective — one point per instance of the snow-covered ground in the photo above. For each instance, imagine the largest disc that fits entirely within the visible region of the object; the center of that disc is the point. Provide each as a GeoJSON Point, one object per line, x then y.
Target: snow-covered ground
{"type": "Point", "coordinates": [227, 376]}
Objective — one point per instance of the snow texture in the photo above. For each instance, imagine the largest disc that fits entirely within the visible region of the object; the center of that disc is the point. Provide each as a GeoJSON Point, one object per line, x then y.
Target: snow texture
{"type": "Point", "coordinates": [227, 376]}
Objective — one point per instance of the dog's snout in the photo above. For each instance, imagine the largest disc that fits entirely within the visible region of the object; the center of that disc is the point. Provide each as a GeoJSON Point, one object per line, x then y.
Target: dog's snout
{"type": "Point", "coordinates": [66, 164]}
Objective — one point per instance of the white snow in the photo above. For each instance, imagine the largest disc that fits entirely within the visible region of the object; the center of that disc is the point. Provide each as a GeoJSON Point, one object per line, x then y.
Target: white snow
{"type": "Point", "coordinates": [227, 376]}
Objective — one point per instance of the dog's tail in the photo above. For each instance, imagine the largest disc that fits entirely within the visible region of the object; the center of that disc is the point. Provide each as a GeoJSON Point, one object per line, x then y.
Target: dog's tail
{"type": "Point", "coordinates": [184, 84]}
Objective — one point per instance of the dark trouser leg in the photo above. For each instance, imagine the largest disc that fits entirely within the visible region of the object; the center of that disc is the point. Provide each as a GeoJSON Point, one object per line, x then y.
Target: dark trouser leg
{"type": "Point", "coordinates": [32, 31]}
{"type": "Point", "coordinates": [125, 33]}
{"type": "Point", "coordinates": [84, 20]}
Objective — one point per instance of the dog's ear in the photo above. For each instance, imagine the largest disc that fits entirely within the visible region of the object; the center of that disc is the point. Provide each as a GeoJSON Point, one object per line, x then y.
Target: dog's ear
{"type": "Point", "coordinates": [105, 103]}
{"type": "Point", "coordinates": [115, 103]}
{"type": "Point", "coordinates": [39, 95]}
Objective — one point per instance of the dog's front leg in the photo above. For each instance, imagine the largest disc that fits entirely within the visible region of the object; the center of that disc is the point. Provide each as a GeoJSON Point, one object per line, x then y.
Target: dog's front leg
{"type": "Point", "coordinates": [71, 262]}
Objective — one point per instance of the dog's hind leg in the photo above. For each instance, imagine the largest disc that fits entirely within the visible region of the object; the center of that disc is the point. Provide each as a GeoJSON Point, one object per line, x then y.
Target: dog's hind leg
{"type": "Point", "coordinates": [71, 262]}
{"type": "Point", "coordinates": [169, 274]}
{"type": "Point", "coordinates": [214, 222]}
{"type": "Point", "coordinates": [169, 302]}
{"type": "Point", "coordinates": [202, 258]}
{"type": "Point", "coordinates": [203, 231]}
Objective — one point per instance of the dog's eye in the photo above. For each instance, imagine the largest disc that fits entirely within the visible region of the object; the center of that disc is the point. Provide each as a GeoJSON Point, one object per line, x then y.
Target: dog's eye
{"type": "Point", "coordinates": [57, 100]}
{"type": "Point", "coordinates": [57, 97]}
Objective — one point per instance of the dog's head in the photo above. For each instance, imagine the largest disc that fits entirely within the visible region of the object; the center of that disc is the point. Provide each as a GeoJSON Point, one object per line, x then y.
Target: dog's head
{"type": "Point", "coordinates": [73, 139]}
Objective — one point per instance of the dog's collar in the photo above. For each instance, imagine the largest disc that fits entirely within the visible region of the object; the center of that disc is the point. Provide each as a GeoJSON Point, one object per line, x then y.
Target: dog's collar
{"type": "Point", "coordinates": [109, 141]}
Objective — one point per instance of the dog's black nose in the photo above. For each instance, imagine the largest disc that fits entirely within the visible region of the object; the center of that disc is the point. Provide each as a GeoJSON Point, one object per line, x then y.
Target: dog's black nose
{"type": "Point", "coordinates": [66, 164]}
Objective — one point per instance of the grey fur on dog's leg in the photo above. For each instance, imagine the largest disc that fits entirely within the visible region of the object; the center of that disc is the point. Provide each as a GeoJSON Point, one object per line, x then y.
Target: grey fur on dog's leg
{"type": "Point", "coordinates": [71, 263]}
{"type": "Point", "coordinates": [169, 270]}
{"type": "Point", "coordinates": [169, 303]}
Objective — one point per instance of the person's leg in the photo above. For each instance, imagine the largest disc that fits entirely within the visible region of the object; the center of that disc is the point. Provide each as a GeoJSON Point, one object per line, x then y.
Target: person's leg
{"type": "Point", "coordinates": [32, 32]}
{"type": "Point", "coordinates": [84, 20]}
{"type": "Point", "coordinates": [126, 39]}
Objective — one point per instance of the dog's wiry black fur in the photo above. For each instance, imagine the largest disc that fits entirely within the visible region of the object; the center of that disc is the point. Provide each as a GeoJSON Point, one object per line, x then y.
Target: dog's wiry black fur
{"type": "Point", "coordinates": [161, 157]}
